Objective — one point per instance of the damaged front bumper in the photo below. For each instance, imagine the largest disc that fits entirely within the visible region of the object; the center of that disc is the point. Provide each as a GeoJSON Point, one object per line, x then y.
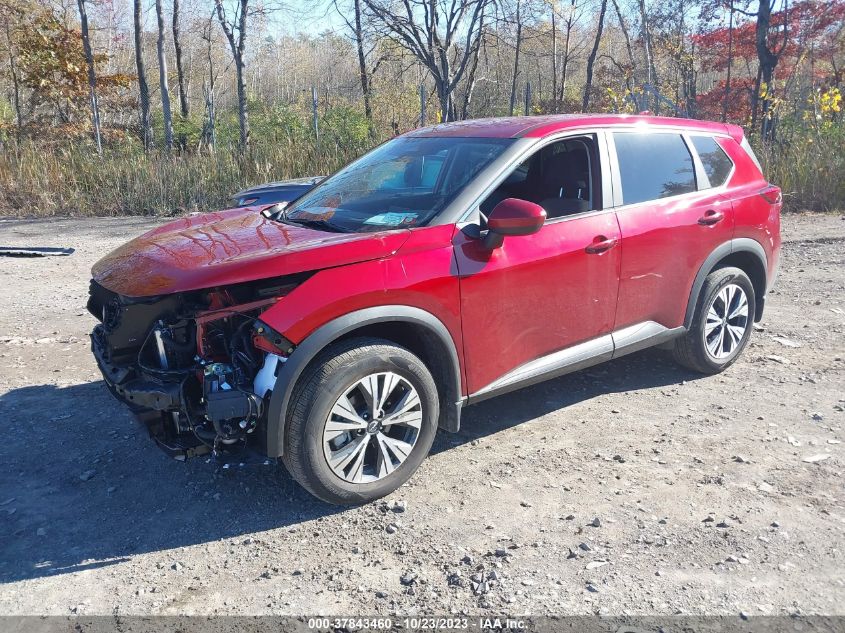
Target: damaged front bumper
{"type": "Point", "coordinates": [131, 387]}
{"type": "Point", "coordinates": [196, 368]}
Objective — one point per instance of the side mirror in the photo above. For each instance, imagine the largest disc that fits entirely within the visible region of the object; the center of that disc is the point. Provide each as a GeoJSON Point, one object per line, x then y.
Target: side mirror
{"type": "Point", "coordinates": [513, 216]}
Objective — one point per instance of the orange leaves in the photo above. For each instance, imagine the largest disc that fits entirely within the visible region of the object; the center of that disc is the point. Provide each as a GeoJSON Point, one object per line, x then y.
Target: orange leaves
{"type": "Point", "coordinates": [52, 65]}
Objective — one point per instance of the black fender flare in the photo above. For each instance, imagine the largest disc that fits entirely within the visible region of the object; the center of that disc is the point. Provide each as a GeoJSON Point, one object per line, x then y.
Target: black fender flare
{"type": "Point", "coordinates": [290, 371]}
{"type": "Point", "coordinates": [736, 245]}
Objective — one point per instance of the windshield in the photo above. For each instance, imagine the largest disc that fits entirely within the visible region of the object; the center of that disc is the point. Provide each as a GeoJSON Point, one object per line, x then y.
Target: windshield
{"type": "Point", "coordinates": [402, 184]}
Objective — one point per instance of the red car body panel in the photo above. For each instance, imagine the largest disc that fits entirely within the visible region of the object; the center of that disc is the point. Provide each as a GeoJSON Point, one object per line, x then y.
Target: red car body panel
{"type": "Point", "coordinates": [663, 246]}
{"type": "Point", "coordinates": [230, 247]}
{"type": "Point", "coordinates": [754, 216]}
{"type": "Point", "coordinates": [513, 298]}
{"type": "Point", "coordinates": [421, 274]}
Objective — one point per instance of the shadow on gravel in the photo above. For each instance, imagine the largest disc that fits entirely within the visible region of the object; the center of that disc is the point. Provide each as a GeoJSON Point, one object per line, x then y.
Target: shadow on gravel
{"type": "Point", "coordinates": [58, 517]}
{"type": "Point", "coordinates": [642, 370]}
{"type": "Point", "coordinates": [56, 520]}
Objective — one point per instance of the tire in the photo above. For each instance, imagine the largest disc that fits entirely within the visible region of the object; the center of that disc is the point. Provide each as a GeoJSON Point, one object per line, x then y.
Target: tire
{"type": "Point", "coordinates": [345, 370]}
{"type": "Point", "coordinates": [692, 349]}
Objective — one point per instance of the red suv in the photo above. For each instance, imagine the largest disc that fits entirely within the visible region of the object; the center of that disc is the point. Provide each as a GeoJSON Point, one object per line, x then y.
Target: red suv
{"type": "Point", "coordinates": [448, 265]}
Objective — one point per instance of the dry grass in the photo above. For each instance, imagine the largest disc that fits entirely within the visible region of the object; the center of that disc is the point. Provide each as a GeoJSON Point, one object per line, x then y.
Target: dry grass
{"type": "Point", "coordinates": [68, 178]}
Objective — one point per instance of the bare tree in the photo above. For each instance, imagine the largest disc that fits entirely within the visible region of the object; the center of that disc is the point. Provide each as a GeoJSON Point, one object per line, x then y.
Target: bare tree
{"type": "Point", "coordinates": [591, 60]}
{"type": "Point", "coordinates": [356, 28]}
{"type": "Point", "coordinates": [441, 34]}
{"type": "Point", "coordinates": [651, 69]}
{"type": "Point", "coordinates": [768, 56]}
{"type": "Point", "coordinates": [569, 25]}
{"type": "Point", "coordinates": [162, 79]}
{"type": "Point", "coordinates": [209, 133]}
{"type": "Point", "coordinates": [471, 74]}
{"type": "Point", "coordinates": [236, 32]}
{"type": "Point", "coordinates": [92, 74]}
{"type": "Point", "coordinates": [141, 72]}
{"type": "Point", "coordinates": [631, 59]}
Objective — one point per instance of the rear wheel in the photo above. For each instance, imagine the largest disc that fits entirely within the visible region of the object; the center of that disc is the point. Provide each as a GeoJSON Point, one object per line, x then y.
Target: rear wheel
{"type": "Point", "coordinates": [362, 419]}
{"type": "Point", "coordinates": [722, 322]}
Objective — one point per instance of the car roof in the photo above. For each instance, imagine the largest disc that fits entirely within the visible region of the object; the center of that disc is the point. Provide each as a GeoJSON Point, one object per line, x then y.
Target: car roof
{"type": "Point", "coordinates": [545, 125]}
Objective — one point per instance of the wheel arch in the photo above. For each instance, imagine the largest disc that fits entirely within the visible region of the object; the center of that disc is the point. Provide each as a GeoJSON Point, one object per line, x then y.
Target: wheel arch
{"type": "Point", "coordinates": [419, 331]}
{"type": "Point", "coordinates": [744, 253]}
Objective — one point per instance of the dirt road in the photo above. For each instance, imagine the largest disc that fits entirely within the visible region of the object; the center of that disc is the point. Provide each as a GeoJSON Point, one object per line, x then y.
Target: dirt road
{"type": "Point", "coordinates": [631, 488]}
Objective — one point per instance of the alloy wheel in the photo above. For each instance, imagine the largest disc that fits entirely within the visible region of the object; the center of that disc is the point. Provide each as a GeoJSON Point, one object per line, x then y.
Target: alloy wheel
{"type": "Point", "coordinates": [726, 323]}
{"type": "Point", "coordinates": [372, 428]}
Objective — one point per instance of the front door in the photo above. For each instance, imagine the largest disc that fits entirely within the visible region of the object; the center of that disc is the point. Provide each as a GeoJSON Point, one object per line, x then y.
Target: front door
{"type": "Point", "coordinates": [540, 294]}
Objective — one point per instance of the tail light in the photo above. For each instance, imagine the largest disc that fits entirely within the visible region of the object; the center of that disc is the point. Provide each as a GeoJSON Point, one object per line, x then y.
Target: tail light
{"type": "Point", "coordinates": [772, 194]}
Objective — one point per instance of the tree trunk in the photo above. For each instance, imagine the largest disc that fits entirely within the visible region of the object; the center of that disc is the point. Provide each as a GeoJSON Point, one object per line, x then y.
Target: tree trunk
{"type": "Point", "coordinates": [564, 76]}
{"type": "Point", "coordinates": [768, 61]}
{"type": "Point", "coordinates": [184, 106]}
{"type": "Point", "coordinates": [238, 46]}
{"type": "Point", "coordinates": [651, 77]}
{"type": "Point", "coordinates": [516, 57]}
{"type": "Point", "coordinates": [243, 118]}
{"type": "Point", "coordinates": [209, 132]}
{"type": "Point", "coordinates": [554, 61]}
{"type": "Point", "coordinates": [471, 80]}
{"type": "Point", "coordinates": [162, 78]}
{"type": "Point", "coordinates": [143, 89]}
{"type": "Point", "coordinates": [628, 47]}
{"type": "Point", "coordinates": [591, 60]}
{"type": "Point", "coordinates": [730, 63]}
{"type": "Point", "coordinates": [362, 64]}
{"type": "Point", "coordinates": [92, 75]}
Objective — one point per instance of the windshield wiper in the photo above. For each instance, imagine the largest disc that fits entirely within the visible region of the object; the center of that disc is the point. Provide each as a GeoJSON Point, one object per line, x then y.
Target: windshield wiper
{"type": "Point", "coordinates": [314, 223]}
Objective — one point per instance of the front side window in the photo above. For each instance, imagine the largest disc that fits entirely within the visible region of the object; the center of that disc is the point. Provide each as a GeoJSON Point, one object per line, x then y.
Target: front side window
{"type": "Point", "coordinates": [562, 177]}
{"type": "Point", "coordinates": [716, 163]}
{"type": "Point", "coordinates": [402, 184]}
{"type": "Point", "coordinates": [653, 166]}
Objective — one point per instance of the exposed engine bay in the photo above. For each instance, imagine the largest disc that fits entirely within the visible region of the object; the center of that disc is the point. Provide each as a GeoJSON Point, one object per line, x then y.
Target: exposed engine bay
{"type": "Point", "coordinates": [195, 367]}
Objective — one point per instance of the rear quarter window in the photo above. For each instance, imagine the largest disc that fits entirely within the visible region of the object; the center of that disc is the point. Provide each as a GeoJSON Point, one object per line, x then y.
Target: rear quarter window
{"type": "Point", "coordinates": [653, 166]}
{"type": "Point", "coordinates": [716, 163]}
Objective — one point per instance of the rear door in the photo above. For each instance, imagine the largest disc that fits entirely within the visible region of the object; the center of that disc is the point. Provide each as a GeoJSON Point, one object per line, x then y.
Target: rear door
{"type": "Point", "coordinates": [670, 217]}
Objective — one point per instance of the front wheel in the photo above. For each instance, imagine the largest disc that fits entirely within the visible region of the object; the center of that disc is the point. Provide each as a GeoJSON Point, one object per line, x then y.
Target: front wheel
{"type": "Point", "coordinates": [721, 325]}
{"type": "Point", "coordinates": [362, 419]}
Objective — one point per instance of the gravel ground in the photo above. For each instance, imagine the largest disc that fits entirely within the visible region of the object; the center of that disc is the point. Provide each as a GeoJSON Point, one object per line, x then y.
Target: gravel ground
{"type": "Point", "coordinates": [631, 488]}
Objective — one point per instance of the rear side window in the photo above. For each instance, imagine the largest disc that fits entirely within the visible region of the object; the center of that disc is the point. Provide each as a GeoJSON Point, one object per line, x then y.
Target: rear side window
{"type": "Point", "coordinates": [716, 163]}
{"type": "Point", "coordinates": [653, 166]}
{"type": "Point", "coordinates": [747, 147]}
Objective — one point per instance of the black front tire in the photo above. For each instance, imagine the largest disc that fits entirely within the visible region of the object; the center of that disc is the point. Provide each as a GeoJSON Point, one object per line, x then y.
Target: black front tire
{"type": "Point", "coordinates": [691, 349]}
{"type": "Point", "coordinates": [317, 390]}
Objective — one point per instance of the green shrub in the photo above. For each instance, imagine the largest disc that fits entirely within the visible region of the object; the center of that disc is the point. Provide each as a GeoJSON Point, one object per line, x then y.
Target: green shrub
{"type": "Point", "coordinates": [807, 161]}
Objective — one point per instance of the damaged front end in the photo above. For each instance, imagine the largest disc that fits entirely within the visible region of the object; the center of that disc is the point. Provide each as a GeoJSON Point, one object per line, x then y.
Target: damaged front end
{"type": "Point", "coordinates": [195, 367]}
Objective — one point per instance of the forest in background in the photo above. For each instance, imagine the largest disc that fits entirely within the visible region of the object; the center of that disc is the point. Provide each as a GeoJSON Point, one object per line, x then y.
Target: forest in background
{"type": "Point", "coordinates": [162, 106]}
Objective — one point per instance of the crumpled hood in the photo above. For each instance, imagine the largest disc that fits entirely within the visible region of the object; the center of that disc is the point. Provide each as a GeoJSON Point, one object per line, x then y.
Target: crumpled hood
{"type": "Point", "coordinates": [233, 246]}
